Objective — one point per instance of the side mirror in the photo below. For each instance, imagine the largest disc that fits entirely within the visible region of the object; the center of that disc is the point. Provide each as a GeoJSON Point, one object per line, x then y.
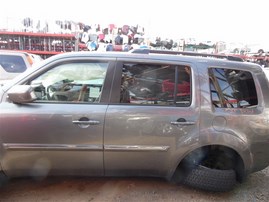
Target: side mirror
{"type": "Point", "coordinates": [21, 94]}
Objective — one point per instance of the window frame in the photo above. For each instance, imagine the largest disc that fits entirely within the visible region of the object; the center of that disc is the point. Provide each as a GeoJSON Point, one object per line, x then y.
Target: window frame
{"type": "Point", "coordinates": [225, 104]}
{"type": "Point", "coordinates": [115, 98]}
{"type": "Point", "coordinates": [106, 88]}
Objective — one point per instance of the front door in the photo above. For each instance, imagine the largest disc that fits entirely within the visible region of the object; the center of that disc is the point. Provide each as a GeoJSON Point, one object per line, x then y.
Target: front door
{"type": "Point", "coordinates": [62, 132]}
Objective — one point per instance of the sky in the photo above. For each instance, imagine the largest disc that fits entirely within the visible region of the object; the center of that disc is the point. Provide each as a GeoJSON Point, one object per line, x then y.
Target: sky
{"type": "Point", "coordinates": [242, 21]}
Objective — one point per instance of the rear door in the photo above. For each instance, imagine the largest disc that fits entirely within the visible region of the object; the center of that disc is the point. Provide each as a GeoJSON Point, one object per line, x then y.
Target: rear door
{"type": "Point", "coordinates": [153, 112]}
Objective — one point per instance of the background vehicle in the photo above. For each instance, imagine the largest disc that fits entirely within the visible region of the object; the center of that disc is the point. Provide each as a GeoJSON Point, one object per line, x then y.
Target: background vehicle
{"type": "Point", "coordinates": [13, 63]}
{"type": "Point", "coordinates": [192, 118]}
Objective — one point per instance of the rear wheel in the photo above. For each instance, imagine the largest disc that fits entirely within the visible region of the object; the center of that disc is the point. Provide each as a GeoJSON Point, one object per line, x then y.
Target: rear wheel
{"type": "Point", "coordinates": [210, 179]}
{"type": "Point", "coordinates": [211, 168]}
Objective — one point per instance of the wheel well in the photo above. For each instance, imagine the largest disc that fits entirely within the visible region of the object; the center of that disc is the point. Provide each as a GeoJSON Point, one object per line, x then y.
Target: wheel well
{"type": "Point", "coordinates": [215, 157]}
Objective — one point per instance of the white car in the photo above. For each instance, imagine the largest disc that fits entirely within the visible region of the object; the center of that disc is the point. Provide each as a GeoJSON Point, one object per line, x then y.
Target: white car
{"type": "Point", "coordinates": [13, 63]}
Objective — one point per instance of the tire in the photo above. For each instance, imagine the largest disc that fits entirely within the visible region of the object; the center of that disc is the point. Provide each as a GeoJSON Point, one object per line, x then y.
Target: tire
{"type": "Point", "coordinates": [209, 179]}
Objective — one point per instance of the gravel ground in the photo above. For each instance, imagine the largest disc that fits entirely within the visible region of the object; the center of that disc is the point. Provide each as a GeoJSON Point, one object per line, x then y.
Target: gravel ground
{"type": "Point", "coordinates": [69, 189]}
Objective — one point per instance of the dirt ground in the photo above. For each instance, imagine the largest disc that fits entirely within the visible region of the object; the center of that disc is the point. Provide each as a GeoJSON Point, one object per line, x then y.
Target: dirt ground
{"type": "Point", "coordinates": [73, 189]}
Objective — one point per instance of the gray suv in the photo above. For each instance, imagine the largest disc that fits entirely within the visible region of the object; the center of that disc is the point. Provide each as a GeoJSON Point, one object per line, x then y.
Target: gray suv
{"type": "Point", "coordinates": [195, 119]}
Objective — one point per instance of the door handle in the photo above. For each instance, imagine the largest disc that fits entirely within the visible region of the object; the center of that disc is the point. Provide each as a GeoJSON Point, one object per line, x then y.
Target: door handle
{"type": "Point", "coordinates": [89, 122]}
{"type": "Point", "coordinates": [182, 122]}
{"type": "Point", "coordinates": [187, 123]}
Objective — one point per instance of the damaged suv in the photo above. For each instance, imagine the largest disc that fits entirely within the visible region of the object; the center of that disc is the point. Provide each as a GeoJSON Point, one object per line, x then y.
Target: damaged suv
{"type": "Point", "coordinates": [196, 119]}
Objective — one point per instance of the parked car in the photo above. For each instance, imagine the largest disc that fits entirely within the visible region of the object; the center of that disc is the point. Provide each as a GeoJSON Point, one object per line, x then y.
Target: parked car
{"type": "Point", "coordinates": [196, 119]}
{"type": "Point", "coordinates": [13, 63]}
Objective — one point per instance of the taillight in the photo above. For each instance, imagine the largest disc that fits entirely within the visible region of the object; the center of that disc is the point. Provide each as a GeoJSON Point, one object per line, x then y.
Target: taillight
{"type": "Point", "coordinates": [30, 59]}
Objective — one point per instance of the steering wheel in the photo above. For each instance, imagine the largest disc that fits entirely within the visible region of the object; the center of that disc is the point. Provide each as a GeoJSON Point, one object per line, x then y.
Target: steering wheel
{"type": "Point", "coordinates": [50, 92]}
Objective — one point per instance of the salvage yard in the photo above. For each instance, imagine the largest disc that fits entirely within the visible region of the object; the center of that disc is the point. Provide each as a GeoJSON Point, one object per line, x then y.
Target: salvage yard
{"type": "Point", "coordinates": [58, 189]}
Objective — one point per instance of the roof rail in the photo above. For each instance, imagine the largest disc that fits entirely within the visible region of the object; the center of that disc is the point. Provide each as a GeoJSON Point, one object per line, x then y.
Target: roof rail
{"type": "Point", "coordinates": [148, 51]}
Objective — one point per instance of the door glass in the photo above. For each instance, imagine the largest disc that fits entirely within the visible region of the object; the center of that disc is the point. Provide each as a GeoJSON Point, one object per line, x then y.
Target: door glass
{"type": "Point", "coordinates": [72, 82]}
{"type": "Point", "coordinates": [232, 88]}
{"type": "Point", "coordinates": [156, 84]}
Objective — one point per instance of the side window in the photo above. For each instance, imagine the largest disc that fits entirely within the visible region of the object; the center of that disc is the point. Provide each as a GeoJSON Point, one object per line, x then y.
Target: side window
{"type": "Point", "coordinates": [156, 84]}
{"type": "Point", "coordinates": [12, 63]}
{"type": "Point", "coordinates": [71, 82]}
{"type": "Point", "coordinates": [232, 88]}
